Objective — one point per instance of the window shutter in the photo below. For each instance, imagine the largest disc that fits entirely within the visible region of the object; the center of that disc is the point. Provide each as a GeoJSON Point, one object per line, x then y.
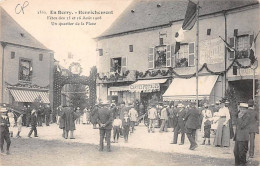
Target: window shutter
{"type": "Point", "coordinates": [232, 44]}
{"type": "Point", "coordinates": [191, 53]}
{"type": "Point", "coordinates": [112, 65]}
{"type": "Point", "coordinates": [151, 58]}
{"type": "Point", "coordinates": [173, 56]}
{"type": "Point", "coordinates": [168, 56]}
{"type": "Point", "coordinates": [251, 39]}
{"type": "Point", "coordinates": [123, 64]}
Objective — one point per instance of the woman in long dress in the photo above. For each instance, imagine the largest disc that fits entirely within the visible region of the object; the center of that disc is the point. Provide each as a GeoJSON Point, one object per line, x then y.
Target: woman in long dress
{"type": "Point", "coordinates": [84, 118]}
{"type": "Point", "coordinates": [223, 132]}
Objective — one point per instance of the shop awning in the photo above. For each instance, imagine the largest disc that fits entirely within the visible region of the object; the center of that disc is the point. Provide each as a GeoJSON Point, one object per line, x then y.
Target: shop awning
{"type": "Point", "coordinates": [118, 88]}
{"type": "Point", "coordinates": [147, 85]}
{"type": "Point", "coordinates": [29, 96]}
{"type": "Point", "coordinates": [185, 89]}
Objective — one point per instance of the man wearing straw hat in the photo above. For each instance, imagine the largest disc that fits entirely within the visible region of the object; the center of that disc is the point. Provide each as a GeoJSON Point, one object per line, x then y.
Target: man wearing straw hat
{"type": "Point", "coordinates": [4, 130]}
{"type": "Point", "coordinates": [242, 135]}
{"type": "Point", "coordinates": [180, 126]}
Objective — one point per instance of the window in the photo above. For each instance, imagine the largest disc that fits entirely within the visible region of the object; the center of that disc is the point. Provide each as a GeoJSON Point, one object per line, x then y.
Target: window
{"type": "Point", "coordinates": [131, 48]}
{"type": "Point", "coordinates": [185, 56]}
{"type": "Point", "coordinates": [182, 56]}
{"type": "Point", "coordinates": [40, 57]}
{"type": "Point", "coordinates": [243, 46]}
{"type": "Point", "coordinates": [208, 31]}
{"type": "Point", "coordinates": [25, 70]}
{"type": "Point", "coordinates": [12, 55]}
{"type": "Point", "coordinates": [160, 57]}
{"type": "Point", "coordinates": [161, 41]}
{"type": "Point", "coordinates": [118, 65]}
{"type": "Point", "coordinates": [100, 52]}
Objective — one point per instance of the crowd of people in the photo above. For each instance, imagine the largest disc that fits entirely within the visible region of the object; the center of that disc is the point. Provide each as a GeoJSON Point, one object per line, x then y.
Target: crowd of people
{"type": "Point", "coordinates": [184, 118]}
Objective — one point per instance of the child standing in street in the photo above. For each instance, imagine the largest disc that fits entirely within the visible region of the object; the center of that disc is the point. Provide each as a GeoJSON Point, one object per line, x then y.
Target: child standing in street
{"type": "Point", "coordinates": [19, 125]}
{"type": "Point", "coordinates": [126, 126]}
{"type": "Point", "coordinates": [117, 124]}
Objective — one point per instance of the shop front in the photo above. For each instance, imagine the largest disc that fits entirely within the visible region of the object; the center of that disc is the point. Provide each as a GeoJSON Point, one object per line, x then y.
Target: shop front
{"type": "Point", "coordinates": [149, 90]}
{"type": "Point", "coordinates": [185, 89]}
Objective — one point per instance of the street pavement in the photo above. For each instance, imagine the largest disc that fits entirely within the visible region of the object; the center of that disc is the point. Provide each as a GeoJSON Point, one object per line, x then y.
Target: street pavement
{"type": "Point", "coordinates": [139, 140]}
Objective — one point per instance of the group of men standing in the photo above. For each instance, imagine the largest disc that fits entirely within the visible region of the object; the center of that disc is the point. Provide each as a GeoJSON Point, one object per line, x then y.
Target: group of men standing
{"type": "Point", "coordinates": [43, 115]}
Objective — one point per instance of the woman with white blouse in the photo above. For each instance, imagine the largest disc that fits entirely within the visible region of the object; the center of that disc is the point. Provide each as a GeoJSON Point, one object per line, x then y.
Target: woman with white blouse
{"type": "Point", "coordinates": [223, 132]}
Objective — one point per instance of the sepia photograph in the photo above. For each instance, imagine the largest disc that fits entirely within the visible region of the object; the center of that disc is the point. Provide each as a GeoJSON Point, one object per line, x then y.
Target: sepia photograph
{"type": "Point", "coordinates": [129, 83]}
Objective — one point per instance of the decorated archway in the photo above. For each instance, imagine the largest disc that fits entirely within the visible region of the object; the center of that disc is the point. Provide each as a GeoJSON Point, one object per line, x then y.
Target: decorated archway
{"type": "Point", "coordinates": [63, 77]}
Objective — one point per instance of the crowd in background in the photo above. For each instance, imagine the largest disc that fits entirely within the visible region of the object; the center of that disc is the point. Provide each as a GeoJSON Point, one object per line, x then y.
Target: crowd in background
{"type": "Point", "coordinates": [184, 118]}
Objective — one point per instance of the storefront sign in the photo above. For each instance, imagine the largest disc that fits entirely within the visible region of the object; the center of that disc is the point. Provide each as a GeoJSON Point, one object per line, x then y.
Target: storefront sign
{"type": "Point", "coordinates": [211, 51]}
{"type": "Point", "coordinates": [145, 87]}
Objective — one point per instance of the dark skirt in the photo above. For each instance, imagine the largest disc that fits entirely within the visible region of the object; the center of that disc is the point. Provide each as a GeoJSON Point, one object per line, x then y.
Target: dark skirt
{"type": "Point", "coordinates": [207, 131]}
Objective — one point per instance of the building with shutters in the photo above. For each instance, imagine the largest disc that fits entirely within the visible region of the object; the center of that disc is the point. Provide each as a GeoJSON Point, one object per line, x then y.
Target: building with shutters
{"type": "Point", "coordinates": [26, 65]}
{"type": "Point", "coordinates": [136, 58]}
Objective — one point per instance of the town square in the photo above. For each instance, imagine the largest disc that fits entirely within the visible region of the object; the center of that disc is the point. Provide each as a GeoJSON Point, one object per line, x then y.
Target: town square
{"type": "Point", "coordinates": [129, 83]}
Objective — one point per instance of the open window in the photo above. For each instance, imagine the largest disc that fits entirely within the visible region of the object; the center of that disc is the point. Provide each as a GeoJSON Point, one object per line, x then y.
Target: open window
{"type": "Point", "coordinates": [118, 65]}
{"type": "Point", "coordinates": [25, 70]}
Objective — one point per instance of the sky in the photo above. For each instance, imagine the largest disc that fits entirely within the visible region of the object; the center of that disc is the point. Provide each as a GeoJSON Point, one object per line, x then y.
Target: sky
{"type": "Point", "coordinates": [64, 39]}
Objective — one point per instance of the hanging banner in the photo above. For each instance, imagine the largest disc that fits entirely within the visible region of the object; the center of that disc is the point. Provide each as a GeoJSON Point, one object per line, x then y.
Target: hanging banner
{"type": "Point", "coordinates": [146, 88]}
{"type": "Point", "coordinates": [211, 51]}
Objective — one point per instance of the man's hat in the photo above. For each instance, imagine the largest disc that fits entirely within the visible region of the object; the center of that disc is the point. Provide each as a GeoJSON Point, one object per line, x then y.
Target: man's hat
{"type": "Point", "coordinates": [243, 105]}
{"type": "Point", "coordinates": [250, 102]}
{"type": "Point", "coordinates": [226, 102]}
{"type": "Point", "coordinates": [180, 105]}
{"type": "Point", "coordinates": [3, 109]}
{"type": "Point", "coordinates": [217, 102]}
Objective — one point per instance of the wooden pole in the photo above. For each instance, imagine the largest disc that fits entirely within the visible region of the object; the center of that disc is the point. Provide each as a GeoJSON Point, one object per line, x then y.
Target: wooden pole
{"type": "Point", "coordinates": [197, 56]}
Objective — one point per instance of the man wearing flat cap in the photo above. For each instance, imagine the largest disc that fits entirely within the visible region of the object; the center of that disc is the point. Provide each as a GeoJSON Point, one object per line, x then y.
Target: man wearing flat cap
{"type": "Point", "coordinates": [4, 130]}
{"type": "Point", "coordinates": [105, 120]}
{"type": "Point", "coordinates": [254, 121]}
{"type": "Point", "coordinates": [242, 135]}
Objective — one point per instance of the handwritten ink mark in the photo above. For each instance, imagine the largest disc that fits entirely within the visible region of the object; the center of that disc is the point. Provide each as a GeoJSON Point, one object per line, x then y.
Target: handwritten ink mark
{"type": "Point", "coordinates": [20, 8]}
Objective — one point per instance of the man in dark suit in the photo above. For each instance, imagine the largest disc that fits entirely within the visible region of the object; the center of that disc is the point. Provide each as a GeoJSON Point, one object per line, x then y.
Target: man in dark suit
{"type": "Point", "coordinates": [180, 127]}
{"type": "Point", "coordinates": [192, 119]}
{"type": "Point", "coordinates": [104, 119]}
{"type": "Point", "coordinates": [254, 121]}
{"type": "Point", "coordinates": [47, 112]}
{"type": "Point", "coordinates": [4, 130]}
{"type": "Point", "coordinates": [33, 124]}
{"type": "Point", "coordinates": [242, 135]}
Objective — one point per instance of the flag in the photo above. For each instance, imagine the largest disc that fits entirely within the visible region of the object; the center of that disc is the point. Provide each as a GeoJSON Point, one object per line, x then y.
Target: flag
{"type": "Point", "coordinates": [252, 56]}
{"type": "Point", "coordinates": [188, 23]}
{"type": "Point", "coordinates": [229, 48]}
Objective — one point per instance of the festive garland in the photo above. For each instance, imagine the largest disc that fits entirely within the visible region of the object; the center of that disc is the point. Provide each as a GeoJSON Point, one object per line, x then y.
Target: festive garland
{"type": "Point", "coordinates": [171, 72]}
{"type": "Point", "coordinates": [114, 77]}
